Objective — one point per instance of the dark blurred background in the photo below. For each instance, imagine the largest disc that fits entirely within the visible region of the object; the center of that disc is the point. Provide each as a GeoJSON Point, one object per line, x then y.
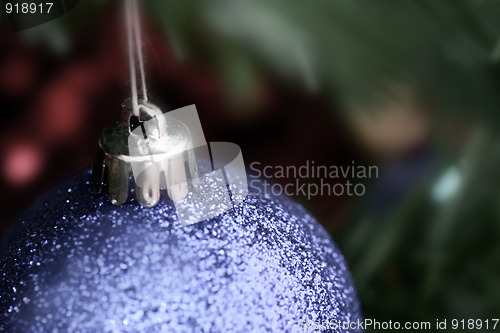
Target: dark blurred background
{"type": "Point", "coordinates": [409, 86]}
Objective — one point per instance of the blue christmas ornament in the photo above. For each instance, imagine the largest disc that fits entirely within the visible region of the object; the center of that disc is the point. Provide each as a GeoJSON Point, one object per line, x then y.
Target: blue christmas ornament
{"type": "Point", "coordinates": [76, 263]}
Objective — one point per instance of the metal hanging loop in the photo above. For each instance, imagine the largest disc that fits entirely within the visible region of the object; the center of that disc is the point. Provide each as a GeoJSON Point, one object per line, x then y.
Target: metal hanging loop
{"type": "Point", "coordinates": [156, 149]}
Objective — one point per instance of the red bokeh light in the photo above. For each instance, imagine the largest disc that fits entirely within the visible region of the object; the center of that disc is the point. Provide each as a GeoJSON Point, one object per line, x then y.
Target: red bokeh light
{"type": "Point", "coordinates": [23, 162]}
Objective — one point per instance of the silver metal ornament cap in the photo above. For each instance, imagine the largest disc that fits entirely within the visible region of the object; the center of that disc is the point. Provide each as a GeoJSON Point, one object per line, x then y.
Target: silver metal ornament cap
{"type": "Point", "coordinates": [155, 148]}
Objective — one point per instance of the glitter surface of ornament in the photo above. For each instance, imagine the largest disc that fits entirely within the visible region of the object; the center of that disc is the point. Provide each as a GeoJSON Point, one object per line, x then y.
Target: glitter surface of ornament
{"type": "Point", "coordinates": [76, 263]}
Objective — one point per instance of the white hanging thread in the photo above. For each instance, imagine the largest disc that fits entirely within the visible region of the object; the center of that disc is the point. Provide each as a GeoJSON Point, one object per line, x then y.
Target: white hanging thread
{"type": "Point", "coordinates": [134, 41]}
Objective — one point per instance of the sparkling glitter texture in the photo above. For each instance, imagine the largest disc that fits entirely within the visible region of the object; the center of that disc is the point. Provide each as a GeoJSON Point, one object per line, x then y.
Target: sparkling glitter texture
{"type": "Point", "coordinates": [76, 263]}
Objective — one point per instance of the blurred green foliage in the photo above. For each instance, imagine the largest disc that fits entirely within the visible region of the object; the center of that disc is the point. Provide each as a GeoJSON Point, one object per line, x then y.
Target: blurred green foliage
{"type": "Point", "coordinates": [433, 260]}
{"type": "Point", "coordinates": [448, 48]}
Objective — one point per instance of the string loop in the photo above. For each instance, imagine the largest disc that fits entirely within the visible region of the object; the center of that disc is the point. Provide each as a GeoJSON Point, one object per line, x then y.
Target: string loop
{"type": "Point", "coordinates": [134, 43]}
